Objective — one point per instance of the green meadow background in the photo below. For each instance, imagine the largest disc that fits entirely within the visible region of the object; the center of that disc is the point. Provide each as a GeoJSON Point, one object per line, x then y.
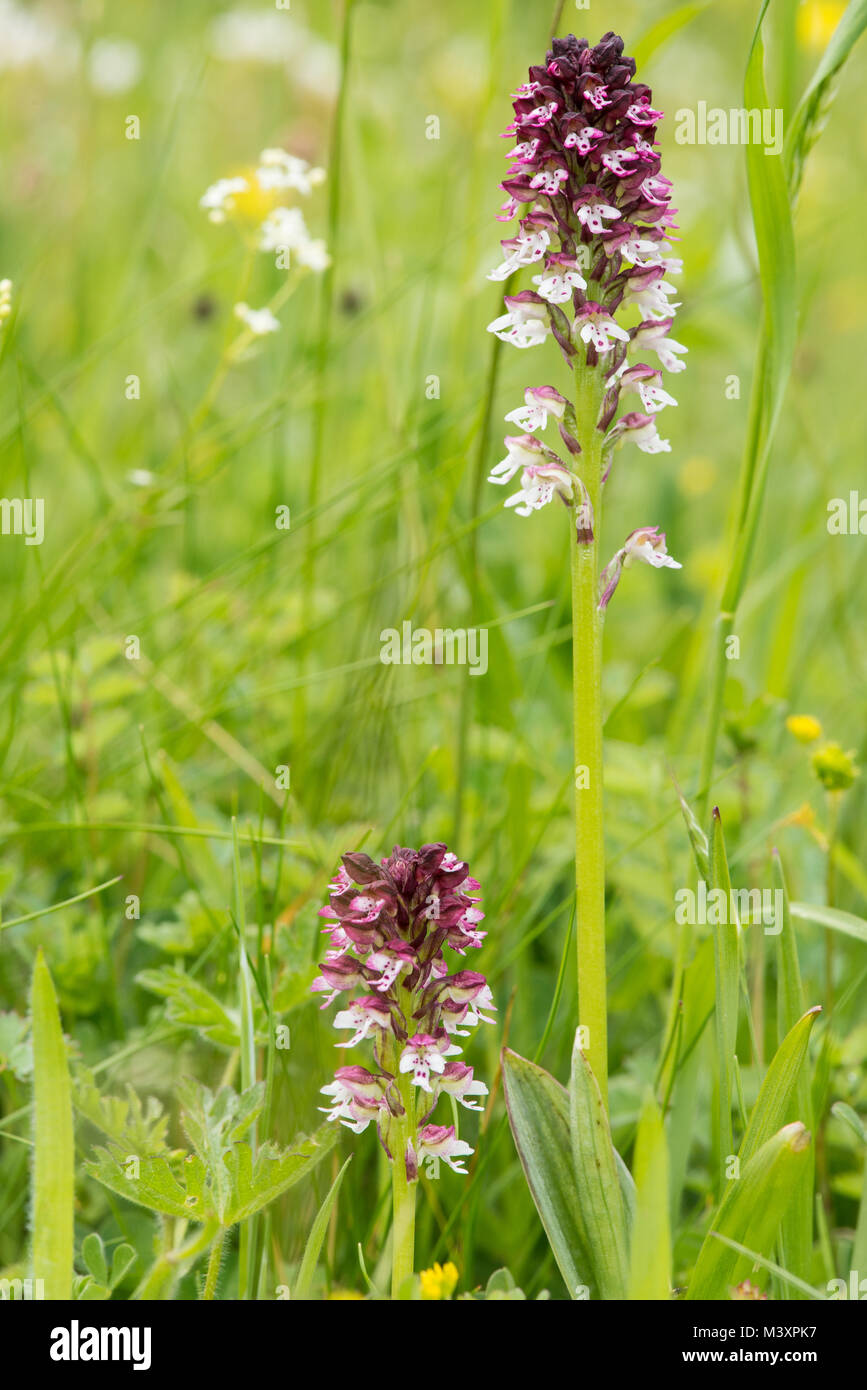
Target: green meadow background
{"type": "Point", "coordinates": [259, 647]}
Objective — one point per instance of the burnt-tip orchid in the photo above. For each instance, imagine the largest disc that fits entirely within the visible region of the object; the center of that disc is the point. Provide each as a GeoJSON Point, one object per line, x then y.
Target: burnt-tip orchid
{"type": "Point", "coordinates": [597, 228]}
{"type": "Point", "coordinates": [388, 925]}
{"type": "Point", "coordinates": [591, 265]}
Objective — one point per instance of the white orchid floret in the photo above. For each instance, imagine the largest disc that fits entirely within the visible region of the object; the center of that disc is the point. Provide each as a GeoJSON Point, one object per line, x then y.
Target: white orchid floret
{"type": "Point", "coordinates": [593, 210]}
{"type": "Point", "coordinates": [635, 428]}
{"type": "Point", "coordinates": [524, 249]}
{"type": "Point", "coordinates": [219, 199]}
{"type": "Point", "coordinates": [5, 299]}
{"type": "Point", "coordinates": [559, 282]}
{"type": "Point", "coordinates": [654, 336]}
{"type": "Point", "coordinates": [439, 1141]}
{"type": "Point", "coordinates": [598, 328]}
{"type": "Point", "coordinates": [646, 545]}
{"type": "Point", "coordinates": [643, 380]}
{"type": "Point", "coordinates": [525, 324]}
{"type": "Point", "coordinates": [362, 1015]}
{"type": "Point", "coordinates": [541, 481]}
{"type": "Point", "coordinates": [259, 321]}
{"type": "Point", "coordinates": [356, 1097]}
{"type": "Point", "coordinates": [549, 181]}
{"type": "Point", "coordinates": [639, 251]}
{"type": "Point", "coordinates": [652, 300]}
{"type": "Point", "coordinates": [646, 382]}
{"type": "Point", "coordinates": [457, 1080]}
{"type": "Point", "coordinates": [424, 1055]}
{"type": "Point", "coordinates": [542, 402]}
{"type": "Point", "coordinates": [522, 451]}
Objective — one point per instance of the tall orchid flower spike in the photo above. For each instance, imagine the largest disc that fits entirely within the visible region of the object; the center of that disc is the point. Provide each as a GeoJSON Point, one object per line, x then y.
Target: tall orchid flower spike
{"type": "Point", "coordinates": [388, 925]}
{"type": "Point", "coordinates": [595, 232]}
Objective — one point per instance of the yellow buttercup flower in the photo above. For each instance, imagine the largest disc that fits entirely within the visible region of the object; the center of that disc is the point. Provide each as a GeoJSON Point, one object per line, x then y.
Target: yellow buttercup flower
{"type": "Point", "coordinates": [439, 1282]}
{"type": "Point", "coordinates": [805, 728]}
{"type": "Point", "coordinates": [817, 20]}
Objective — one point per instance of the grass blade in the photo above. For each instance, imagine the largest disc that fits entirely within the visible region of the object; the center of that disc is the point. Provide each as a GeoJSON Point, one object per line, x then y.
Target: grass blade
{"type": "Point", "coordinates": [844, 922]}
{"type": "Point", "coordinates": [727, 978]}
{"type": "Point", "coordinates": [53, 1165]}
{"type": "Point", "coordinates": [650, 1254]}
{"type": "Point", "coordinates": [779, 1090]}
{"type": "Point", "coordinates": [750, 1213]}
{"type": "Point", "coordinates": [809, 119]}
{"type": "Point", "coordinates": [310, 1259]}
{"type": "Point", "coordinates": [783, 1274]}
{"type": "Point", "coordinates": [796, 1233]}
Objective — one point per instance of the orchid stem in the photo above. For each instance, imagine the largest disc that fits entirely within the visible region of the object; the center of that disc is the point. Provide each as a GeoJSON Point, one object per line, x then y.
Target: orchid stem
{"type": "Point", "coordinates": [587, 709]}
{"type": "Point", "coordinates": [403, 1196]}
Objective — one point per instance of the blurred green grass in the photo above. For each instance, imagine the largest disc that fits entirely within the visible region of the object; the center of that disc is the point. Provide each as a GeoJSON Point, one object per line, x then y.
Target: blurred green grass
{"type": "Point", "coordinates": [117, 272]}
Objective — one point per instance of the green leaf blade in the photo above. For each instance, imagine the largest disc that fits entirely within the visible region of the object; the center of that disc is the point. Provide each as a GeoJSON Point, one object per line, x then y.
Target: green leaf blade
{"type": "Point", "coordinates": [53, 1165]}
{"type": "Point", "coordinates": [538, 1108]}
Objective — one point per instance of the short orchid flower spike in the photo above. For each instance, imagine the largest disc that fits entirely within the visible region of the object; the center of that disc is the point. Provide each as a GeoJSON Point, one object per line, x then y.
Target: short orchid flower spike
{"type": "Point", "coordinates": [596, 229]}
{"type": "Point", "coordinates": [389, 924]}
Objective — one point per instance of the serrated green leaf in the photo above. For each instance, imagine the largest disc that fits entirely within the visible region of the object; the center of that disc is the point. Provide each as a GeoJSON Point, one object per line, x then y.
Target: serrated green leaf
{"type": "Point", "coordinates": [538, 1108]}
{"type": "Point", "coordinates": [135, 1127]}
{"type": "Point", "coordinates": [16, 1051]}
{"type": "Point", "coordinates": [189, 1003]}
{"type": "Point", "coordinates": [275, 1170]}
{"type": "Point", "coordinates": [213, 1124]}
{"type": "Point", "coordinates": [53, 1157]}
{"type": "Point", "coordinates": [156, 1186]}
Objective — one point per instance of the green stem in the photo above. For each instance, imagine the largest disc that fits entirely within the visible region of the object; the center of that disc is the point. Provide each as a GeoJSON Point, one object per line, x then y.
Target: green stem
{"type": "Point", "coordinates": [830, 897]}
{"type": "Point", "coordinates": [171, 1264]}
{"type": "Point", "coordinates": [403, 1131]}
{"type": "Point", "coordinates": [403, 1212]}
{"type": "Point", "coordinates": [216, 1255]}
{"type": "Point", "coordinates": [587, 709]}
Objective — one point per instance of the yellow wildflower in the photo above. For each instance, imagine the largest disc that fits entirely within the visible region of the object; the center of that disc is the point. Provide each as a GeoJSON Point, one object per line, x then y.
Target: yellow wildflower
{"type": "Point", "coordinates": [439, 1282]}
{"type": "Point", "coordinates": [805, 728]}
{"type": "Point", "coordinates": [817, 20]}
